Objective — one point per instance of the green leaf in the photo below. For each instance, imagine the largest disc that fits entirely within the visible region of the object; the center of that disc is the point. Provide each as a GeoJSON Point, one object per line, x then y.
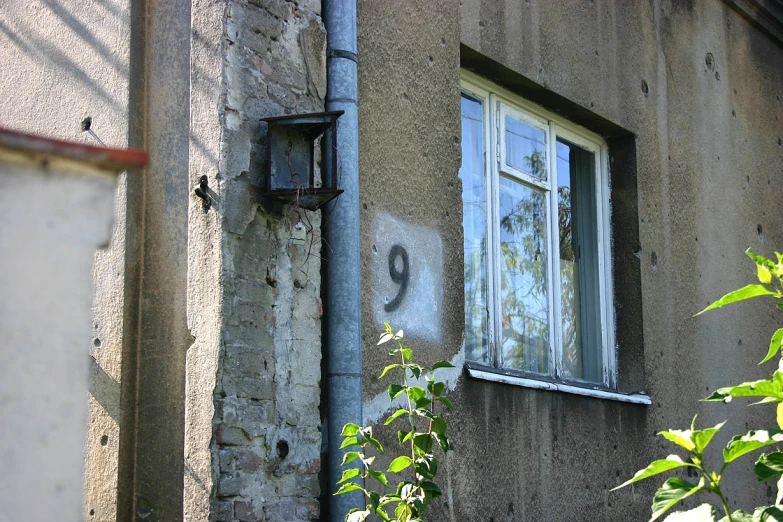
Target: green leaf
{"type": "Point", "coordinates": [403, 436]}
{"type": "Point", "coordinates": [350, 429]}
{"type": "Point", "coordinates": [680, 437]}
{"type": "Point", "coordinates": [445, 401]}
{"type": "Point", "coordinates": [703, 513]}
{"type": "Point", "coordinates": [417, 393]}
{"type": "Point", "coordinates": [779, 415]}
{"type": "Point", "coordinates": [388, 368]}
{"type": "Point", "coordinates": [350, 441]}
{"type": "Point", "coordinates": [767, 514]}
{"type": "Point", "coordinates": [350, 456]}
{"type": "Point", "coordinates": [701, 438]}
{"type": "Point", "coordinates": [436, 388]}
{"type": "Point", "coordinates": [763, 388]}
{"type": "Point", "coordinates": [442, 364]}
{"type": "Point", "coordinates": [431, 487]}
{"type": "Point", "coordinates": [426, 466]}
{"type": "Point", "coordinates": [774, 345]}
{"type": "Point", "coordinates": [385, 338]}
{"type": "Point", "coordinates": [761, 260]}
{"type": "Point", "coordinates": [656, 468]}
{"type": "Point", "coordinates": [769, 466]}
{"type": "Point", "coordinates": [443, 441]}
{"type": "Point", "coordinates": [373, 441]}
{"type": "Point", "coordinates": [357, 516]}
{"type": "Point", "coordinates": [407, 353]}
{"type": "Point", "coordinates": [421, 441]}
{"type": "Point", "coordinates": [395, 390]}
{"type": "Point", "coordinates": [348, 474]}
{"type": "Point", "coordinates": [744, 444]}
{"type": "Point", "coordinates": [746, 292]}
{"type": "Point", "coordinates": [764, 275]}
{"type": "Point", "coordinates": [399, 464]}
{"type": "Point", "coordinates": [380, 477]}
{"type": "Point", "coordinates": [348, 487]}
{"type": "Point", "coordinates": [672, 491]}
{"type": "Point", "coordinates": [395, 415]}
{"type": "Point", "coordinates": [439, 426]}
{"type": "Point", "coordinates": [765, 400]}
{"type": "Point", "coordinates": [415, 370]}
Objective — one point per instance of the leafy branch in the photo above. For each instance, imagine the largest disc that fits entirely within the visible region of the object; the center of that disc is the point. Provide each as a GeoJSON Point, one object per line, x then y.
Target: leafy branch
{"type": "Point", "coordinates": [695, 442]}
{"type": "Point", "coordinates": [417, 468]}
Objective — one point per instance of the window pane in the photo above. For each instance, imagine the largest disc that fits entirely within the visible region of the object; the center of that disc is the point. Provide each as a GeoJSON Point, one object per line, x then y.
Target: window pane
{"type": "Point", "coordinates": [580, 323]}
{"type": "Point", "coordinates": [473, 221]}
{"type": "Point", "coordinates": [523, 269]}
{"type": "Point", "coordinates": [525, 148]}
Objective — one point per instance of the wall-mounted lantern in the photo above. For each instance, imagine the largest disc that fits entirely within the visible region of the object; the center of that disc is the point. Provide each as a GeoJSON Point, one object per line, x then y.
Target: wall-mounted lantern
{"type": "Point", "coordinates": [290, 159]}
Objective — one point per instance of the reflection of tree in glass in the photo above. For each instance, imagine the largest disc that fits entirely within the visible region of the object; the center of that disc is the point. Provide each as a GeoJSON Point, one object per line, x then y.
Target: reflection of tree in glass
{"type": "Point", "coordinates": [569, 290]}
{"type": "Point", "coordinates": [475, 303]}
{"type": "Point", "coordinates": [524, 276]}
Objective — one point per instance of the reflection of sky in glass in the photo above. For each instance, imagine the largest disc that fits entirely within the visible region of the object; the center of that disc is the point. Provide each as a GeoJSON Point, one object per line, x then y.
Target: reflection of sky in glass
{"type": "Point", "coordinates": [563, 168]}
{"type": "Point", "coordinates": [473, 221]}
{"type": "Point", "coordinates": [524, 305]}
{"type": "Point", "coordinates": [525, 148]}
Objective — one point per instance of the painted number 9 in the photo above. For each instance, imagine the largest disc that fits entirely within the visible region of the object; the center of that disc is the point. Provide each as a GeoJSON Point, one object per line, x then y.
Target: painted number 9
{"type": "Point", "coordinates": [401, 277]}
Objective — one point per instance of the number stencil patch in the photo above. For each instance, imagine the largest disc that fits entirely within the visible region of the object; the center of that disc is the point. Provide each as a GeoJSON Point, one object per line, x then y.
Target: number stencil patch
{"type": "Point", "coordinates": [407, 276]}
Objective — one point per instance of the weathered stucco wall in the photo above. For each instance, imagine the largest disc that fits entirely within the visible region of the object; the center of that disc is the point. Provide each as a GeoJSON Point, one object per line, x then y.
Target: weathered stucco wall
{"type": "Point", "coordinates": [700, 161]}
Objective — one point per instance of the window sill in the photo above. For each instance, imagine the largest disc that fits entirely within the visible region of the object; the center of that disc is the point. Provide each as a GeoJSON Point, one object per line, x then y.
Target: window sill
{"type": "Point", "coordinates": [633, 398]}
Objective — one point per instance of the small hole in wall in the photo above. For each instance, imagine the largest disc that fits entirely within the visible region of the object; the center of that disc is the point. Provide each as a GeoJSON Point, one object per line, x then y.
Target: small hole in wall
{"type": "Point", "coordinates": [654, 259]}
{"type": "Point", "coordinates": [92, 512]}
{"type": "Point", "coordinates": [282, 449]}
{"type": "Point", "coordinates": [96, 342]}
{"type": "Point", "coordinates": [645, 88]}
{"type": "Point", "coordinates": [710, 61]}
{"type": "Point", "coordinates": [104, 440]}
{"type": "Point", "coordinates": [759, 229]}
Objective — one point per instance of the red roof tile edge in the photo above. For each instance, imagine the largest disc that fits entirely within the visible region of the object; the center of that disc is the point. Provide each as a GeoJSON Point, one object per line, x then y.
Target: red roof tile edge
{"type": "Point", "coordinates": [100, 157]}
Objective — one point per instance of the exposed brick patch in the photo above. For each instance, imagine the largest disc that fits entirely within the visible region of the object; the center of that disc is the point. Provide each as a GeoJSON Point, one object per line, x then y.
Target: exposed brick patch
{"type": "Point", "coordinates": [245, 511]}
{"type": "Point", "coordinates": [270, 366]}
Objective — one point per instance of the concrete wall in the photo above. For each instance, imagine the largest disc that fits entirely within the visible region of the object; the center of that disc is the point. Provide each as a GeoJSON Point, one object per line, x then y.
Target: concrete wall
{"type": "Point", "coordinates": [695, 173]}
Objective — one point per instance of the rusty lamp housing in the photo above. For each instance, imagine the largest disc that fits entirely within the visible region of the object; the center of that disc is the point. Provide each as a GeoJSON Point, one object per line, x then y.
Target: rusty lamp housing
{"type": "Point", "coordinates": [290, 159]}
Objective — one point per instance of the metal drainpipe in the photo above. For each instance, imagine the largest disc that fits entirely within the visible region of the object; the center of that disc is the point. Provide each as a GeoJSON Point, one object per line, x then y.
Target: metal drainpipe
{"type": "Point", "coordinates": [342, 281]}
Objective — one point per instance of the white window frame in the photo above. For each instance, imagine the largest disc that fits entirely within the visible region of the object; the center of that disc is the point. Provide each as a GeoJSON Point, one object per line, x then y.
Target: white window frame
{"type": "Point", "coordinates": [496, 103]}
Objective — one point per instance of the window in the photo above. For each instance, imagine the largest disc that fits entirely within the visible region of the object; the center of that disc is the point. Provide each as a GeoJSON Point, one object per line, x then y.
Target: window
{"type": "Point", "coordinates": [538, 287]}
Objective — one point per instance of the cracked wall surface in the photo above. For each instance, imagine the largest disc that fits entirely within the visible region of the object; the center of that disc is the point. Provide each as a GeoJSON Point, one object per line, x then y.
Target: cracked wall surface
{"type": "Point", "coordinates": [267, 426]}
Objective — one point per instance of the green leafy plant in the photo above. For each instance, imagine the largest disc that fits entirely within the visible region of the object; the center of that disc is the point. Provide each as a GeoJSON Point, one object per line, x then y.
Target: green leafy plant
{"type": "Point", "coordinates": [417, 466]}
{"type": "Point", "coordinates": [695, 442]}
